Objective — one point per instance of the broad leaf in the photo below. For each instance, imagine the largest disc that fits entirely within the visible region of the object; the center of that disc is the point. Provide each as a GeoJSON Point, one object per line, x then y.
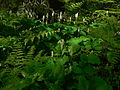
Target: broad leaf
{"type": "Point", "coordinates": [93, 59]}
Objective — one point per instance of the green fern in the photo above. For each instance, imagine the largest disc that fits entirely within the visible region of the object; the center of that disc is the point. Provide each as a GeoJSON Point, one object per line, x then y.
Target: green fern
{"type": "Point", "coordinates": [73, 6]}
{"type": "Point", "coordinates": [111, 43]}
{"type": "Point", "coordinates": [16, 57]}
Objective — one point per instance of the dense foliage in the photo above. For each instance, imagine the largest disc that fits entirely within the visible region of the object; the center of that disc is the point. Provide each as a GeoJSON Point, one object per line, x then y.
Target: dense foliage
{"type": "Point", "coordinates": [81, 52]}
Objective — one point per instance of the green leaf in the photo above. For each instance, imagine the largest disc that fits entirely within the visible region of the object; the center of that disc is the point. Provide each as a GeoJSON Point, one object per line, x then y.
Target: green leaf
{"type": "Point", "coordinates": [88, 69]}
{"type": "Point", "coordinates": [83, 58]}
{"type": "Point", "coordinates": [93, 59]}
{"type": "Point", "coordinates": [98, 48]}
{"type": "Point", "coordinates": [73, 29]}
{"type": "Point", "coordinates": [88, 47]}
{"type": "Point", "coordinates": [74, 48]}
{"type": "Point", "coordinates": [111, 56]}
{"type": "Point", "coordinates": [77, 40]}
{"type": "Point", "coordinates": [77, 70]}
{"type": "Point", "coordinates": [65, 59]}
{"type": "Point", "coordinates": [83, 33]}
{"type": "Point", "coordinates": [82, 83]}
{"type": "Point", "coordinates": [97, 83]}
{"type": "Point", "coordinates": [64, 1]}
{"type": "Point", "coordinates": [49, 29]}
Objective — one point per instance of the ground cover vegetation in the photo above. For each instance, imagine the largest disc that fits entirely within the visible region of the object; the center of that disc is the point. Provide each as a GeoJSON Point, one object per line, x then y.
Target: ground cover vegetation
{"type": "Point", "coordinates": [76, 49]}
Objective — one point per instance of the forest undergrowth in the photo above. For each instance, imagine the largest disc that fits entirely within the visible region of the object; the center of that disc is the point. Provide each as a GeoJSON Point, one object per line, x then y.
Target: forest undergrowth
{"type": "Point", "coordinates": [80, 53]}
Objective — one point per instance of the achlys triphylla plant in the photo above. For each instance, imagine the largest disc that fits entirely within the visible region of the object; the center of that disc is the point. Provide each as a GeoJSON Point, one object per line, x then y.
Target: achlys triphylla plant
{"type": "Point", "coordinates": [82, 73]}
{"type": "Point", "coordinates": [111, 42]}
{"type": "Point", "coordinates": [84, 44]}
{"type": "Point", "coordinates": [38, 69]}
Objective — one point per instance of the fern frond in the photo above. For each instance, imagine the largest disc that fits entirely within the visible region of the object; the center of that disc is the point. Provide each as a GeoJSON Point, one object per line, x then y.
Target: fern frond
{"type": "Point", "coordinates": [16, 57]}
{"type": "Point", "coordinates": [30, 53]}
{"type": "Point", "coordinates": [73, 6]}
